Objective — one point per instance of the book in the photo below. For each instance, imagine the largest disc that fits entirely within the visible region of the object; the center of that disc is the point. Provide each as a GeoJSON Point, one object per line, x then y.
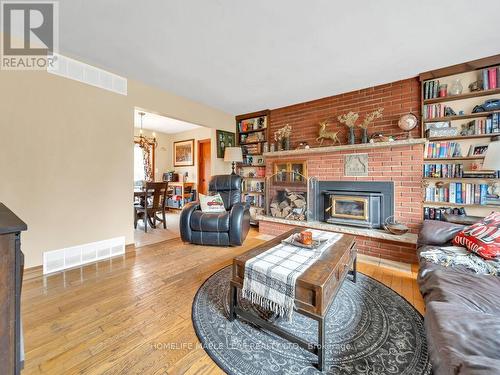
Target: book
{"type": "Point", "coordinates": [453, 190]}
{"type": "Point", "coordinates": [485, 80]}
{"type": "Point", "coordinates": [458, 193]}
{"type": "Point", "coordinates": [483, 191]}
{"type": "Point", "coordinates": [492, 78]}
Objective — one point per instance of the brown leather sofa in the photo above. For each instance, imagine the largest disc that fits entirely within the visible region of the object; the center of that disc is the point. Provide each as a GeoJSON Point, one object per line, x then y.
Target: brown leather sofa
{"type": "Point", "coordinates": [462, 316]}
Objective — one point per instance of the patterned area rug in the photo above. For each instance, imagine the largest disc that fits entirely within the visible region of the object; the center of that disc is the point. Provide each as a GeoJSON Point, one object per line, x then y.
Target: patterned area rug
{"type": "Point", "coordinates": [370, 330]}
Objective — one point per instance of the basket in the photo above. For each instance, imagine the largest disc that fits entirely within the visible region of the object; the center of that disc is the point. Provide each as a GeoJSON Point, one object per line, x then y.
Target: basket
{"type": "Point", "coordinates": [393, 227]}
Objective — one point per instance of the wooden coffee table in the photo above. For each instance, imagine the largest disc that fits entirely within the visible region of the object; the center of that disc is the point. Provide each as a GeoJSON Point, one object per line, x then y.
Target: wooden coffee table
{"type": "Point", "coordinates": [315, 289]}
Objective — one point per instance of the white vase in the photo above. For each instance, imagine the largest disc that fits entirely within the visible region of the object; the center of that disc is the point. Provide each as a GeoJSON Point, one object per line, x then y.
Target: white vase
{"type": "Point", "coordinates": [456, 87]}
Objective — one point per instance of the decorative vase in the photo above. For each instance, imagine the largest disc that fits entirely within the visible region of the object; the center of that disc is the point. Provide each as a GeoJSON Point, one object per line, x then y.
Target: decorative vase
{"type": "Point", "coordinates": [280, 145]}
{"type": "Point", "coordinates": [364, 138]}
{"type": "Point", "coordinates": [352, 137]}
{"type": "Point", "coordinates": [286, 143]}
{"type": "Point", "coordinates": [456, 87]}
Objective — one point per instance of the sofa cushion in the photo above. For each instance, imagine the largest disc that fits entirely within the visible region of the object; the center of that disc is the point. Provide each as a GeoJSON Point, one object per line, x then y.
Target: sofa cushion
{"type": "Point", "coordinates": [435, 232]}
{"type": "Point", "coordinates": [467, 291]}
{"type": "Point", "coordinates": [462, 341]}
{"type": "Point", "coordinates": [210, 222]}
{"type": "Point", "coordinates": [482, 238]}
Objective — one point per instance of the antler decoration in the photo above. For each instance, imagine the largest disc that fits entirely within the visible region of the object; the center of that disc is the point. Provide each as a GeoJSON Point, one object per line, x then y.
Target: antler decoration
{"type": "Point", "coordinates": [349, 119]}
{"type": "Point", "coordinates": [282, 133]}
{"type": "Point", "coordinates": [371, 117]}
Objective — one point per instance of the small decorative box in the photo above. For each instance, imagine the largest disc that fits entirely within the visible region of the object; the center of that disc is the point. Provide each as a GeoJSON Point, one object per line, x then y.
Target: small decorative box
{"type": "Point", "coordinates": [443, 132]}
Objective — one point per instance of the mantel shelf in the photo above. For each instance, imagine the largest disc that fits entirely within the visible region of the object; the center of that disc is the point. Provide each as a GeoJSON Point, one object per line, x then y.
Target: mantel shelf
{"type": "Point", "coordinates": [361, 146]}
{"type": "Point", "coordinates": [408, 238]}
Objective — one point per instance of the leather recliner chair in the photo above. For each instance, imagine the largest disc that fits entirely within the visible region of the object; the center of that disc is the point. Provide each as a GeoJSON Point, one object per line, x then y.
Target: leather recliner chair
{"type": "Point", "coordinates": [228, 228]}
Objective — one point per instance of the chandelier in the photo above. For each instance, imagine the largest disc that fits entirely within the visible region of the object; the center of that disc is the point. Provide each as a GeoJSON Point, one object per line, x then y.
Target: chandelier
{"type": "Point", "coordinates": [142, 140]}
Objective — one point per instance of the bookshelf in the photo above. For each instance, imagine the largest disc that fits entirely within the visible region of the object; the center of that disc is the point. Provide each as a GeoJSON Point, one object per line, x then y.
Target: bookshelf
{"type": "Point", "coordinates": [252, 134]}
{"type": "Point", "coordinates": [473, 130]}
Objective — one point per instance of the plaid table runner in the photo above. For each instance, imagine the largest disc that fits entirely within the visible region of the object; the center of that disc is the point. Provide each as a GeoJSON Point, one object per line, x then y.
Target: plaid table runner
{"type": "Point", "coordinates": [270, 277]}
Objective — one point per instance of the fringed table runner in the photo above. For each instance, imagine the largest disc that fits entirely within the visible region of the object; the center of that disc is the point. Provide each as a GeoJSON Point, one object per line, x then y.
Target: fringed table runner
{"type": "Point", "coordinates": [270, 277]}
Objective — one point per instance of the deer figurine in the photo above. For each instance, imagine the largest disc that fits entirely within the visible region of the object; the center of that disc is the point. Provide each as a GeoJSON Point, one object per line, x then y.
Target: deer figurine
{"type": "Point", "coordinates": [325, 134]}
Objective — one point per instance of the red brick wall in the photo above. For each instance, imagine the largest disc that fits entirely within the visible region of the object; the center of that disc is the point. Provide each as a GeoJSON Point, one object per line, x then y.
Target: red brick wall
{"type": "Point", "coordinates": [402, 165]}
{"type": "Point", "coordinates": [396, 98]}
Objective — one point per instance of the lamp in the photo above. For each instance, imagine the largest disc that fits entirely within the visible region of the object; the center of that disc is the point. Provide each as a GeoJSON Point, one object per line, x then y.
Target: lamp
{"type": "Point", "coordinates": [233, 154]}
{"type": "Point", "coordinates": [492, 158]}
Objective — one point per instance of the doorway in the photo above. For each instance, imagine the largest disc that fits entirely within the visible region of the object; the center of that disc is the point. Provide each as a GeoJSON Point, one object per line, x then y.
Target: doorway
{"type": "Point", "coordinates": [204, 165]}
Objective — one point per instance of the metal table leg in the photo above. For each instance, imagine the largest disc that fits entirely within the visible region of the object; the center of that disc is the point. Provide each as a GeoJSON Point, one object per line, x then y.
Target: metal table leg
{"type": "Point", "coordinates": [354, 269]}
{"type": "Point", "coordinates": [321, 344]}
{"type": "Point", "coordinates": [232, 302]}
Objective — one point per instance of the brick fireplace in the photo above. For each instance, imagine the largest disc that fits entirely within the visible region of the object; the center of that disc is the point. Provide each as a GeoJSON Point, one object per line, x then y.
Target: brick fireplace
{"type": "Point", "coordinates": [400, 163]}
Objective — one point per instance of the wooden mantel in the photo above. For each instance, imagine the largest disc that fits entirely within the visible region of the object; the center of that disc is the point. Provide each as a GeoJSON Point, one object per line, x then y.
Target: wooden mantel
{"type": "Point", "coordinates": [332, 149]}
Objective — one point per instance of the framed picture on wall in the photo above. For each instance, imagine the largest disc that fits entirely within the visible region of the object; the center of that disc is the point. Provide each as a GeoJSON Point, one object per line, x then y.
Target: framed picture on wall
{"type": "Point", "coordinates": [224, 139]}
{"type": "Point", "coordinates": [184, 153]}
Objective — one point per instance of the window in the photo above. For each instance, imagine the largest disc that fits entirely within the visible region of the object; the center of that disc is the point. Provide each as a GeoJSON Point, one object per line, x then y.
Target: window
{"type": "Point", "coordinates": [138, 165]}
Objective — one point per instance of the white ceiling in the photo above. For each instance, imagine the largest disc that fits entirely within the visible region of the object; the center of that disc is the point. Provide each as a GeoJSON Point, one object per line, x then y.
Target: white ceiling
{"type": "Point", "coordinates": [241, 55]}
{"type": "Point", "coordinates": [162, 124]}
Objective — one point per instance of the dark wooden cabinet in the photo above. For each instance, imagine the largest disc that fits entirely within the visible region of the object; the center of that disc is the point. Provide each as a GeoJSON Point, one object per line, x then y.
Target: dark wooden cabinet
{"type": "Point", "coordinates": [11, 274]}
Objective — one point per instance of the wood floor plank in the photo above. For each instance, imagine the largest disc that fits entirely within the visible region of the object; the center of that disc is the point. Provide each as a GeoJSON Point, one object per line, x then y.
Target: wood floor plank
{"type": "Point", "coordinates": [132, 314]}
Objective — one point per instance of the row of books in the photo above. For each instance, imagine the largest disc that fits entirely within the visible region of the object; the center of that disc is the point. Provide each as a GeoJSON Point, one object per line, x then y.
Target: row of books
{"type": "Point", "coordinates": [253, 186]}
{"type": "Point", "coordinates": [431, 89]}
{"type": "Point", "coordinates": [437, 213]}
{"type": "Point", "coordinates": [493, 200]}
{"type": "Point", "coordinates": [481, 174]}
{"type": "Point", "coordinates": [256, 200]}
{"type": "Point", "coordinates": [489, 125]}
{"type": "Point", "coordinates": [443, 170]}
{"type": "Point", "coordinates": [252, 149]}
{"type": "Point", "coordinates": [491, 78]}
{"type": "Point", "coordinates": [458, 193]}
{"type": "Point", "coordinates": [257, 123]}
{"type": "Point", "coordinates": [442, 150]}
{"type": "Point", "coordinates": [434, 110]}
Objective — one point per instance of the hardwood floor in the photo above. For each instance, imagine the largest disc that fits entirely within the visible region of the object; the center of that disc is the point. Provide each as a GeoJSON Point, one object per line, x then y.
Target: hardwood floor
{"type": "Point", "coordinates": [132, 314]}
{"type": "Point", "coordinates": [158, 234]}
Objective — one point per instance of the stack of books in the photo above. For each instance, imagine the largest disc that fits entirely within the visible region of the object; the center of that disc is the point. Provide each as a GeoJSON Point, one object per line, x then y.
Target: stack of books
{"type": "Point", "coordinates": [431, 89]}
{"type": "Point", "coordinates": [434, 110]}
{"type": "Point", "coordinates": [493, 200]}
{"type": "Point", "coordinates": [443, 170]}
{"type": "Point", "coordinates": [458, 193]}
{"type": "Point", "coordinates": [437, 150]}
{"type": "Point", "coordinates": [491, 78]}
{"type": "Point", "coordinates": [481, 174]}
{"type": "Point", "coordinates": [255, 200]}
{"type": "Point", "coordinates": [489, 125]}
{"type": "Point", "coordinates": [434, 213]}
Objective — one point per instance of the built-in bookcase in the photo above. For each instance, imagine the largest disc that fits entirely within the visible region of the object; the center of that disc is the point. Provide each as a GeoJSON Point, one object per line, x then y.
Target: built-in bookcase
{"type": "Point", "coordinates": [453, 175]}
{"type": "Point", "coordinates": [252, 135]}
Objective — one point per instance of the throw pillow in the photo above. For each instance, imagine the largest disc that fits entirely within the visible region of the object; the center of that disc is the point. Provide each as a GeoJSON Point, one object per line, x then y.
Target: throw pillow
{"type": "Point", "coordinates": [482, 238]}
{"type": "Point", "coordinates": [211, 203]}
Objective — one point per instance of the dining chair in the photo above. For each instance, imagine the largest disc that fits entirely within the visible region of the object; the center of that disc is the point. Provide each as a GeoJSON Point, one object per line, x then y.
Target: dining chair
{"type": "Point", "coordinates": [152, 202]}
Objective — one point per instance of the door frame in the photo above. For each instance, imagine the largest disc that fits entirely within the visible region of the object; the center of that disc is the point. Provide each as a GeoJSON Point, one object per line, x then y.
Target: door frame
{"type": "Point", "coordinates": [199, 154]}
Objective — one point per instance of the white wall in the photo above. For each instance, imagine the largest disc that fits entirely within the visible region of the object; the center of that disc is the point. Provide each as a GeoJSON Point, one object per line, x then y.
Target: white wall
{"type": "Point", "coordinates": [66, 155]}
{"type": "Point", "coordinates": [217, 166]}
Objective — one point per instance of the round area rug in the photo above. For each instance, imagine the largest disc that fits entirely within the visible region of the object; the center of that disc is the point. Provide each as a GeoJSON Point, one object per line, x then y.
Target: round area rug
{"type": "Point", "coordinates": [370, 330]}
